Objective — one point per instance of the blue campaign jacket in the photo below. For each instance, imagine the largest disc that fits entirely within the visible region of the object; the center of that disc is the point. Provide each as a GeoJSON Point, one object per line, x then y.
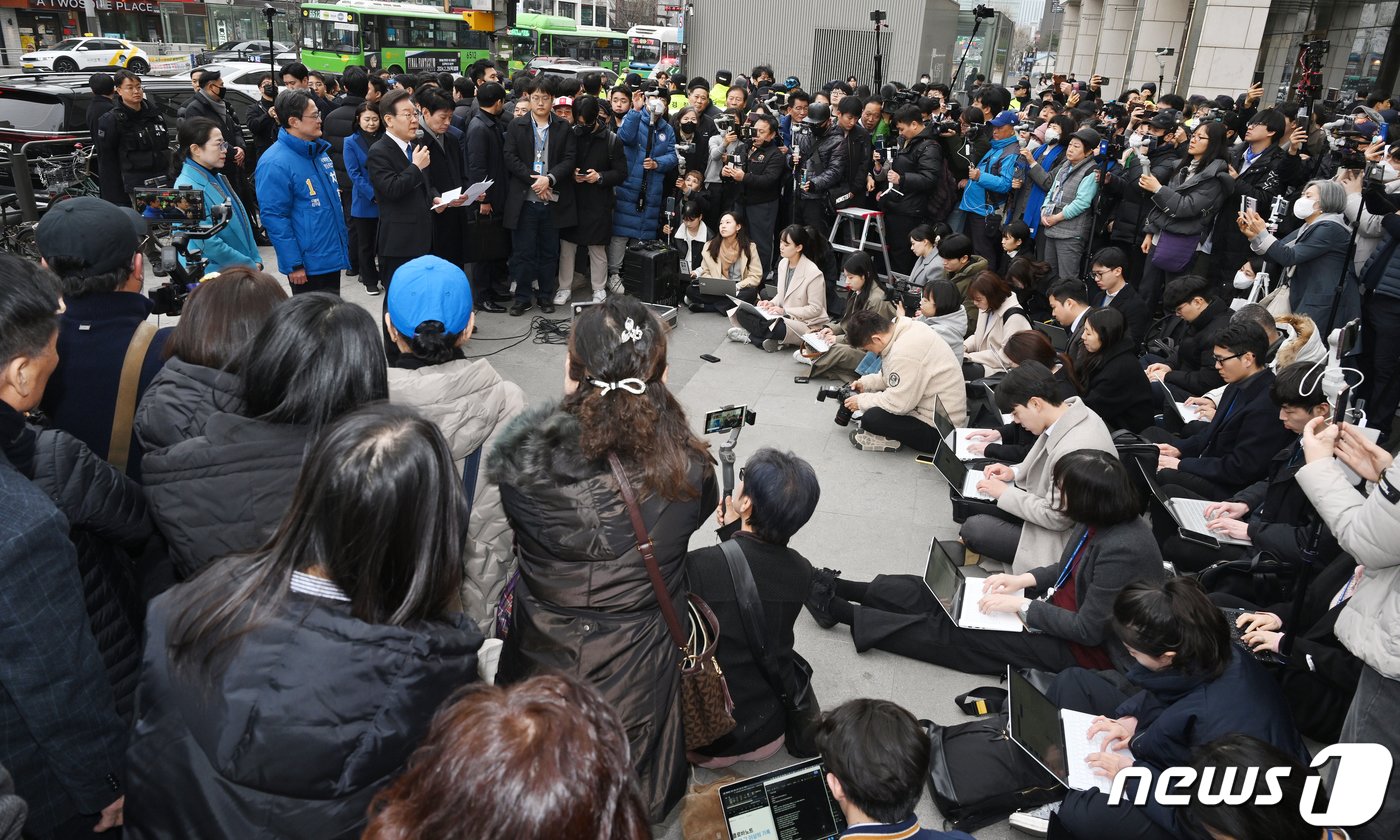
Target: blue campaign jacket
{"type": "Point", "coordinates": [234, 245]}
{"type": "Point", "coordinates": [362, 205]}
{"type": "Point", "coordinates": [991, 190]}
{"type": "Point", "coordinates": [299, 201]}
{"type": "Point", "coordinates": [627, 221]}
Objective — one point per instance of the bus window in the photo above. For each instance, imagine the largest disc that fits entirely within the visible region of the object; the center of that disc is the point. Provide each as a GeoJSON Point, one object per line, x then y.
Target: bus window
{"type": "Point", "coordinates": [645, 50]}
{"type": "Point", "coordinates": [369, 32]}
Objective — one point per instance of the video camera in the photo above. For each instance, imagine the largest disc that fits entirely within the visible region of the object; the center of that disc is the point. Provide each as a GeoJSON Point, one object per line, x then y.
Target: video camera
{"type": "Point", "coordinates": [840, 393]}
{"type": "Point", "coordinates": [729, 418]}
{"type": "Point", "coordinates": [177, 213]}
{"type": "Point", "coordinates": [981, 11]}
{"type": "Point", "coordinates": [1347, 140]}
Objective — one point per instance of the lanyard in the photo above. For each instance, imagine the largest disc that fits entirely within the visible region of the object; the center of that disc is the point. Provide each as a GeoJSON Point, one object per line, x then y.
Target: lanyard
{"type": "Point", "coordinates": [1069, 567]}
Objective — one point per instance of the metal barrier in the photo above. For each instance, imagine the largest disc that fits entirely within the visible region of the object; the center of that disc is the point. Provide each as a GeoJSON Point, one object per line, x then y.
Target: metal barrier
{"type": "Point", "coordinates": [24, 177]}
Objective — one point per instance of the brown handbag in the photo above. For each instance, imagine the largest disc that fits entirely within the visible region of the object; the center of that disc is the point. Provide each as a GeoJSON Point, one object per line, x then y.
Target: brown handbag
{"type": "Point", "coordinates": [707, 710]}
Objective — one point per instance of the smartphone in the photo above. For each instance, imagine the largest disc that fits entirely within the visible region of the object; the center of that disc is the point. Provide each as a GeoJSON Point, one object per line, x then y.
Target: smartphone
{"type": "Point", "coordinates": [1104, 80]}
{"type": "Point", "coordinates": [707, 357]}
{"type": "Point", "coordinates": [1339, 413]}
{"type": "Point", "coordinates": [801, 380]}
{"type": "Point", "coordinates": [1033, 112]}
{"type": "Point", "coordinates": [724, 419]}
{"type": "Point", "coordinates": [1258, 78]}
{"type": "Point", "coordinates": [926, 460]}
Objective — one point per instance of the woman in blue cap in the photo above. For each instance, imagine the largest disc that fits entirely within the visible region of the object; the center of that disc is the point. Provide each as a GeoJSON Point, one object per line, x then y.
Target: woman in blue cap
{"type": "Point", "coordinates": [429, 317]}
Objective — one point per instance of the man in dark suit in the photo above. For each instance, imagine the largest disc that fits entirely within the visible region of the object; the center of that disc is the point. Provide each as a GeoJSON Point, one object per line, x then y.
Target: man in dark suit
{"type": "Point", "coordinates": [1069, 303]}
{"type": "Point", "coordinates": [539, 155]}
{"type": "Point", "coordinates": [397, 170]}
{"type": "Point", "coordinates": [1109, 266]}
{"type": "Point", "coordinates": [486, 162]}
{"type": "Point", "coordinates": [445, 165]}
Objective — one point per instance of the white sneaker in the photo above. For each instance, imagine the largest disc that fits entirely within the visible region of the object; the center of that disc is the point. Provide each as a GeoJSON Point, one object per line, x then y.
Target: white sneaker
{"type": "Point", "coordinates": [873, 443]}
{"type": "Point", "coordinates": [600, 295]}
{"type": "Point", "coordinates": [738, 335]}
{"type": "Point", "coordinates": [615, 285]}
{"type": "Point", "coordinates": [563, 296]}
{"type": "Point", "coordinates": [1035, 821]}
{"type": "Point", "coordinates": [800, 359]}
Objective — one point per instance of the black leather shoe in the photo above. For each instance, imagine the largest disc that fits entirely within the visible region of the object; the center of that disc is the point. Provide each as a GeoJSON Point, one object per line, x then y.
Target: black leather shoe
{"type": "Point", "coordinates": [519, 309]}
{"type": "Point", "coordinates": [502, 297]}
{"type": "Point", "coordinates": [547, 308]}
{"type": "Point", "coordinates": [490, 306]}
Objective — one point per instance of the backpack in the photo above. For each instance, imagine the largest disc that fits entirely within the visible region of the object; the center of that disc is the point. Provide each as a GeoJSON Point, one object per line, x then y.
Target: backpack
{"type": "Point", "coordinates": [943, 197]}
{"type": "Point", "coordinates": [977, 775]}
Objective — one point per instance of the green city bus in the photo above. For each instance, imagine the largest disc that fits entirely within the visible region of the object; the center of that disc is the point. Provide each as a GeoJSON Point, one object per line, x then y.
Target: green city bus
{"type": "Point", "coordinates": [400, 37]}
{"type": "Point", "coordinates": [539, 36]}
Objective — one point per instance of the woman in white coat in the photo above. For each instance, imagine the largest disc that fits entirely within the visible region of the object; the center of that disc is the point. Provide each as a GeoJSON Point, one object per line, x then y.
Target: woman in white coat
{"type": "Point", "coordinates": [999, 316]}
{"type": "Point", "coordinates": [799, 305]}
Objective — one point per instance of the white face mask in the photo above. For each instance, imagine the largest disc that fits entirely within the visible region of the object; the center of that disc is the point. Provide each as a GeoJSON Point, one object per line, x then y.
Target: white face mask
{"type": "Point", "coordinates": [657, 106]}
{"type": "Point", "coordinates": [1135, 140]}
{"type": "Point", "coordinates": [1303, 208]}
{"type": "Point", "coordinates": [1242, 280]}
{"type": "Point", "coordinates": [1388, 173]}
{"type": "Point", "coordinates": [1051, 135]}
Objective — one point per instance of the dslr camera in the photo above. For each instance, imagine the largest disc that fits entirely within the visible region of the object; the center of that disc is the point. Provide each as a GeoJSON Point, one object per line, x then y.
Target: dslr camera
{"type": "Point", "coordinates": [840, 393]}
{"type": "Point", "coordinates": [748, 132]}
{"type": "Point", "coordinates": [724, 123]}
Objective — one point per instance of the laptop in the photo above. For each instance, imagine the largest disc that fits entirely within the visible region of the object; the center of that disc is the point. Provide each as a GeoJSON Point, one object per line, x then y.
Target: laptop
{"type": "Point", "coordinates": [716, 286]}
{"type": "Point", "coordinates": [959, 477]}
{"type": "Point", "coordinates": [1189, 514]}
{"type": "Point", "coordinates": [1175, 414]}
{"type": "Point", "coordinates": [991, 390]}
{"type": "Point", "coordinates": [1058, 335]}
{"type": "Point", "coordinates": [954, 436]}
{"type": "Point", "coordinates": [791, 803]}
{"type": "Point", "coordinates": [959, 594]}
{"type": "Point", "coordinates": [1056, 738]}
{"type": "Point", "coordinates": [751, 309]}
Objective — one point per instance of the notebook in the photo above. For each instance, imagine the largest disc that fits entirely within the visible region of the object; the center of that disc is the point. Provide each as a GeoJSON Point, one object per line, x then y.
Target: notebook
{"type": "Point", "coordinates": [1056, 738]}
{"type": "Point", "coordinates": [958, 594]}
{"type": "Point", "coordinates": [791, 803]}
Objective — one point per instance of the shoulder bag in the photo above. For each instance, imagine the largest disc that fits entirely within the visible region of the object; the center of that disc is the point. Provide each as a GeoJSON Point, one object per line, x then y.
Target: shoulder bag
{"type": "Point", "coordinates": [794, 689]}
{"type": "Point", "coordinates": [1174, 251]}
{"type": "Point", "coordinates": [128, 391]}
{"type": "Point", "coordinates": [707, 710]}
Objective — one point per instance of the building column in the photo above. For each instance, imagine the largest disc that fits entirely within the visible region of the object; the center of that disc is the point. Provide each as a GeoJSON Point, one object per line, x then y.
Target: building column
{"type": "Point", "coordinates": [1115, 39]}
{"type": "Point", "coordinates": [1069, 34]}
{"type": "Point", "coordinates": [1223, 46]}
{"type": "Point", "coordinates": [1086, 44]}
{"type": "Point", "coordinates": [1160, 23]}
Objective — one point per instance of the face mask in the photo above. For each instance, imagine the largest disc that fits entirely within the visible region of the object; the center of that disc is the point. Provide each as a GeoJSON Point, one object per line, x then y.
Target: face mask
{"type": "Point", "coordinates": [1135, 140]}
{"type": "Point", "coordinates": [687, 126]}
{"type": "Point", "coordinates": [658, 107]}
{"type": "Point", "coordinates": [1388, 173]}
{"type": "Point", "coordinates": [1243, 281]}
{"type": "Point", "coordinates": [1051, 135]}
{"type": "Point", "coordinates": [1303, 208]}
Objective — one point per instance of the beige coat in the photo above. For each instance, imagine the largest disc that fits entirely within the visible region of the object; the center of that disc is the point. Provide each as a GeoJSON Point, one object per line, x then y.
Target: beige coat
{"type": "Point", "coordinates": [750, 268]}
{"type": "Point", "coordinates": [916, 368]}
{"type": "Point", "coordinates": [470, 402]}
{"type": "Point", "coordinates": [985, 344]}
{"type": "Point", "coordinates": [804, 299]}
{"type": "Point", "coordinates": [1033, 498]}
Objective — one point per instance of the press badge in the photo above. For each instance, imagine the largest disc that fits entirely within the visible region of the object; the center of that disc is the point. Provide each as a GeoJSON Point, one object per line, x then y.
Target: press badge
{"type": "Point", "coordinates": [539, 163]}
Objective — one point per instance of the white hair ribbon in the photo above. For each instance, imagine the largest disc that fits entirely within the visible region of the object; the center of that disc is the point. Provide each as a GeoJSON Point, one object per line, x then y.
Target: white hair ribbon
{"type": "Point", "coordinates": [630, 332]}
{"type": "Point", "coordinates": [631, 385]}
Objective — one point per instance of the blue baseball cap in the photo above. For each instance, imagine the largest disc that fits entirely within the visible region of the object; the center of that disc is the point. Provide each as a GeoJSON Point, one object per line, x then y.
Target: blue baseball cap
{"type": "Point", "coordinates": [429, 289]}
{"type": "Point", "coordinates": [1004, 119]}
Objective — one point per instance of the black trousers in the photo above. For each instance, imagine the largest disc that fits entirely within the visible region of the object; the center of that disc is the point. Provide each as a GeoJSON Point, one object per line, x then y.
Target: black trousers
{"type": "Point", "coordinates": [1154, 280]}
{"type": "Point", "coordinates": [1381, 317]}
{"type": "Point", "coordinates": [329, 282]}
{"type": "Point", "coordinates": [364, 233]}
{"type": "Point", "coordinates": [761, 328]}
{"type": "Point", "coordinates": [900, 615]}
{"type": "Point", "coordinates": [1185, 555]}
{"type": "Point", "coordinates": [898, 226]}
{"type": "Point", "coordinates": [905, 428]}
{"type": "Point", "coordinates": [986, 239]}
{"type": "Point", "coordinates": [763, 230]}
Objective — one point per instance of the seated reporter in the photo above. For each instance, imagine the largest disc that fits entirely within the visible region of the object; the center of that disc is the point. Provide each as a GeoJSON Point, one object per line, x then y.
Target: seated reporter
{"type": "Point", "coordinates": [730, 254]}
{"type": "Point", "coordinates": [776, 495]}
{"type": "Point", "coordinates": [940, 307]}
{"type": "Point", "coordinates": [1234, 450]}
{"type": "Point", "coordinates": [841, 360]}
{"type": "Point", "coordinates": [999, 316]}
{"type": "Point", "coordinates": [916, 368]}
{"type": "Point", "coordinates": [1114, 386]}
{"type": "Point", "coordinates": [1010, 442]}
{"type": "Point", "coordinates": [1030, 394]}
{"type": "Point", "coordinates": [1189, 371]}
{"type": "Point", "coordinates": [800, 300]}
{"type": "Point", "coordinates": [1068, 603]}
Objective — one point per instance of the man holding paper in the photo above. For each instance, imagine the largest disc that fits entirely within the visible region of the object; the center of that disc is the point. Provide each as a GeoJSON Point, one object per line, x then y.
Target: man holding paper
{"type": "Point", "coordinates": [445, 175]}
{"type": "Point", "coordinates": [397, 170]}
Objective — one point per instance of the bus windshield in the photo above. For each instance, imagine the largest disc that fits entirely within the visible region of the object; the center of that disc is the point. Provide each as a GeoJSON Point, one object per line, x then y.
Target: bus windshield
{"type": "Point", "coordinates": [646, 50]}
{"type": "Point", "coordinates": [519, 45]}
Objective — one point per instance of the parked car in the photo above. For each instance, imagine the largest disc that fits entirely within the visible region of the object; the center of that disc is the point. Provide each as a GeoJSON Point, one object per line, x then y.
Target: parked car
{"type": "Point", "coordinates": [53, 107]}
{"type": "Point", "coordinates": [568, 67]}
{"type": "Point", "coordinates": [254, 51]}
{"type": "Point", "coordinates": [243, 76]}
{"type": "Point", "coordinates": [73, 54]}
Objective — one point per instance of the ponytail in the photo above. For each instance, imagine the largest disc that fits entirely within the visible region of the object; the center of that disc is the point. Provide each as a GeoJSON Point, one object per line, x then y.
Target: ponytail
{"type": "Point", "coordinates": [432, 343]}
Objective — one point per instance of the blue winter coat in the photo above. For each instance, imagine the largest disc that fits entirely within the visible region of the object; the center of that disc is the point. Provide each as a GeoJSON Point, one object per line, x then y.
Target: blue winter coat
{"type": "Point", "coordinates": [234, 245]}
{"type": "Point", "coordinates": [627, 220]}
{"type": "Point", "coordinates": [299, 201]}
{"type": "Point", "coordinates": [993, 187]}
{"type": "Point", "coordinates": [362, 205]}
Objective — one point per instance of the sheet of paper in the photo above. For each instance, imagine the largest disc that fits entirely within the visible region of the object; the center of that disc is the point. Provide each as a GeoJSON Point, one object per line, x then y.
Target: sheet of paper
{"type": "Point", "coordinates": [477, 190]}
{"type": "Point", "coordinates": [450, 196]}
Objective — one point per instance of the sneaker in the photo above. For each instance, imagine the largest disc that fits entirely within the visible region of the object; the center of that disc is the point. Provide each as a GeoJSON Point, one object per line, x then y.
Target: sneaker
{"type": "Point", "coordinates": [1035, 821]}
{"type": "Point", "coordinates": [519, 308]}
{"type": "Point", "coordinates": [772, 345]}
{"type": "Point", "coordinates": [739, 335]}
{"type": "Point", "coordinates": [373, 291]}
{"type": "Point", "coordinates": [615, 285]}
{"type": "Point", "coordinates": [563, 296]}
{"type": "Point", "coordinates": [799, 358]}
{"type": "Point", "coordinates": [868, 442]}
{"type": "Point", "coordinates": [819, 595]}
{"type": "Point", "coordinates": [600, 295]}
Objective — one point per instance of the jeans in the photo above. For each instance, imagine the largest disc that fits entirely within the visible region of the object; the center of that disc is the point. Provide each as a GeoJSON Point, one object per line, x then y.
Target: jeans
{"type": "Point", "coordinates": [1371, 719]}
{"type": "Point", "coordinates": [329, 282]}
{"type": "Point", "coordinates": [534, 259]}
{"type": "Point", "coordinates": [617, 251]}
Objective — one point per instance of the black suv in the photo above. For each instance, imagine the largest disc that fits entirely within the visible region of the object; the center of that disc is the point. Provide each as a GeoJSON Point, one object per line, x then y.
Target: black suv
{"type": "Point", "coordinates": [53, 106]}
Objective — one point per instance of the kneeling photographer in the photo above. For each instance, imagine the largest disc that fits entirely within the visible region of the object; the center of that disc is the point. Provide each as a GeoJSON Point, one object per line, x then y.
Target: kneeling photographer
{"type": "Point", "coordinates": [917, 367]}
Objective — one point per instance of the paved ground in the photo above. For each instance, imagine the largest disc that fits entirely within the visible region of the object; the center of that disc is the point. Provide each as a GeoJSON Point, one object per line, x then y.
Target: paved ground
{"type": "Point", "coordinates": [877, 512]}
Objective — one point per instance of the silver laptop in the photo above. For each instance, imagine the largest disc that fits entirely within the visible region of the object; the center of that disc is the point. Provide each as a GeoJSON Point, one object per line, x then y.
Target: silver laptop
{"type": "Point", "coordinates": [959, 477]}
{"type": "Point", "coordinates": [959, 594]}
{"type": "Point", "coordinates": [717, 286]}
{"type": "Point", "coordinates": [791, 803]}
{"type": "Point", "coordinates": [1056, 738]}
{"type": "Point", "coordinates": [1188, 514]}
{"type": "Point", "coordinates": [954, 436]}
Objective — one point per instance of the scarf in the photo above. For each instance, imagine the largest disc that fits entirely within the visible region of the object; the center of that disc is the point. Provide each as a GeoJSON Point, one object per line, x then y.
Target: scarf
{"type": "Point", "coordinates": [728, 254]}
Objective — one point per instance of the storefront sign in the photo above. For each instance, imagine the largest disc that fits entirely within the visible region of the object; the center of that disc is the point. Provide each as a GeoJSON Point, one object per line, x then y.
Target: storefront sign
{"type": "Point", "coordinates": [74, 5]}
{"type": "Point", "coordinates": [148, 6]}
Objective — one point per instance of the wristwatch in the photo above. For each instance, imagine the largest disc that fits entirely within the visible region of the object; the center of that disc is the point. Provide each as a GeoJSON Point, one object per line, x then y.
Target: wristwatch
{"type": "Point", "coordinates": [1024, 612]}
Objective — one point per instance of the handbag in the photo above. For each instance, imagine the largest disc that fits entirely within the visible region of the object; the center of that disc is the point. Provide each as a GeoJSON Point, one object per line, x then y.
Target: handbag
{"type": "Point", "coordinates": [1259, 578]}
{"type": "Point", "coordinates": [486, 237]}
{"type": "Point", "coordinates": [800, 706]}
{"type": "Point", "coordinates": [1174, 251]}
{"type": "Point", "coordinates": [707, 710]}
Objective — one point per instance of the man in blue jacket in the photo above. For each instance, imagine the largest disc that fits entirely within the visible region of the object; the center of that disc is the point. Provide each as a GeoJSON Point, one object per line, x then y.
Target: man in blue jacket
{"type": "Point", "coordinates": [989, 186]}
{"type": "Point", "coordinates": [650, 144]}
{"type": "Point", "coordinates": [299, 199]}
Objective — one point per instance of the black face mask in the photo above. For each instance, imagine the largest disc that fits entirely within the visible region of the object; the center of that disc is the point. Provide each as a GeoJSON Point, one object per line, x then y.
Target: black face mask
{"type": "Point", "coordinates": [688, 127]}
{"type": "Point", "coordinates": [578, 129]}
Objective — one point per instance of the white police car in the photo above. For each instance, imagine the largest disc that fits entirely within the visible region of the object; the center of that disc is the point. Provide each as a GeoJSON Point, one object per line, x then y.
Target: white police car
{"type": "Point", "coordinates": [73, 54]}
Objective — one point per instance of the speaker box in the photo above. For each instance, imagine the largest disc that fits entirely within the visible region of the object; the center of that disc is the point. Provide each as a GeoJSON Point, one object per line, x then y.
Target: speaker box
{"type": "Point", "coordinates": [651, 273]}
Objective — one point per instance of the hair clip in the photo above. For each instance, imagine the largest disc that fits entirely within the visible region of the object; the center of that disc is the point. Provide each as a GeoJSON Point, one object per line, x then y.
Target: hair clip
{"type": "Point", "coordinates": [630, 332]}
{"type": "Point", "coordinates": [631, 385]}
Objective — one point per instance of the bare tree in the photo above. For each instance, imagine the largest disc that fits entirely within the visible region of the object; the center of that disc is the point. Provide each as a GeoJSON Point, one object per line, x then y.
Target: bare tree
{"type": "Point", "coordinates": [629, 13]}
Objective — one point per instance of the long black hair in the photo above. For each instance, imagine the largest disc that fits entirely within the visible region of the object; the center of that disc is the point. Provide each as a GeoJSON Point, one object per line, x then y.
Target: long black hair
{"type": "Point", "coordinates": [860, 263]}
{"type": "Point", "coordinates": [1111, 328]}
{"type": "Point", "coordinates": [315, 358]}
{"type": "Point", "coordinates": [378, 509]}
{"type": "Point", "coordinates": [1217, 146]}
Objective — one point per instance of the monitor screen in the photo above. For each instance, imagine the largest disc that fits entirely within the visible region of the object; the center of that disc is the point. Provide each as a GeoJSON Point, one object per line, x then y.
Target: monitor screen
{"type": "Point", "coordinates": [792, 803]}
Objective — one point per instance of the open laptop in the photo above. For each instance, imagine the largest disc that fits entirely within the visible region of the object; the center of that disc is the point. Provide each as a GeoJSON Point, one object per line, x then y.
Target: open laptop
{"type": "Point", "coordinates": [1176, 414]}
{"type": "Point", "coordinates": [751, 309]}
{"type": "Point", "coordinates": [991, 390]}
{"type": "Point", "coordinates": [1056, 738]}
{"type": "Point", "coordinates": [959, 594]}
{"type": "Point", "coordinates": [959, 477]}
{"type": "Point", "coordinates": [1058, 335]}
{"type": "Point", "coordinates": [716, 286]}
{"type": "Point", "coordinates": [954, 436]}
{"type": "Point", "coordinates": [791, 803]}
{"type": "Point", "coordinates": [1189, 514]}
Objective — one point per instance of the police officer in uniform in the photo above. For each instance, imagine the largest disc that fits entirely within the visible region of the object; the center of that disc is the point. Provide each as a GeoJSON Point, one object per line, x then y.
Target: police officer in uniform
{"type": "Point", "coordinates": [134, 133]}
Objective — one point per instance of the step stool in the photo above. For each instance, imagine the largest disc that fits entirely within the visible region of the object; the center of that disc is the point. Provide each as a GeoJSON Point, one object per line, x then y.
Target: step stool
{"type": "Point", "coordinates": [863, 217]}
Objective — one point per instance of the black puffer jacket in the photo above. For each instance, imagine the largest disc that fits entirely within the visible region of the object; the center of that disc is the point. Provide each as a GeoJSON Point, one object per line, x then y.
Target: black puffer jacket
{"type": "Point", "coordinates": [109, 524]}
{"type": "Point", "coordinates": [1116, 389]}
{"type": "Point", "coordinates": [584, 605]}
{"type": "Point", "coordinates": [919, 163]}
{"type": "Point", "coordinates": [180, 400]}
{"type": "Point", "coordinates": [223, 493]}
{"type": "Point", "coordinates": [1188, 204]}
{"type": "Point", "coordinates": [314, 714]}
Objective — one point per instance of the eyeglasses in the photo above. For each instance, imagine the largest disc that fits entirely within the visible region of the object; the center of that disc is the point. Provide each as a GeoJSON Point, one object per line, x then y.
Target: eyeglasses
{"type": "Point", "coordinates": [1098, 274]}
{"type": "Point", "coordinates": [314, 115]}
{"type": "Point", "coordinates": [222, 145]}
{"type": "Point", "coordinates": [539, 97]}
{"type": "Point", "coordinates": [1220, 360]}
